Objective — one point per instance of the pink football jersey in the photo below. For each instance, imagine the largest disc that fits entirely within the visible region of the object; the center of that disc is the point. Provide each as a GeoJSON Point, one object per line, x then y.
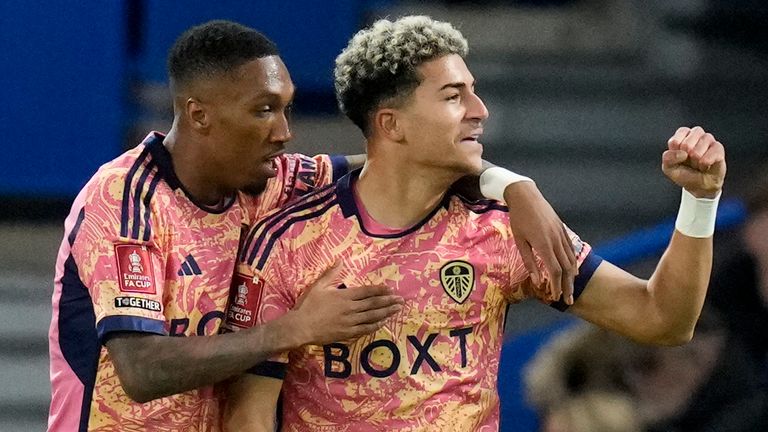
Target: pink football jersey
{"type": "Point", "coordinates": [433, 366]}
{"type": "Point", "coordinates": [139, 255]}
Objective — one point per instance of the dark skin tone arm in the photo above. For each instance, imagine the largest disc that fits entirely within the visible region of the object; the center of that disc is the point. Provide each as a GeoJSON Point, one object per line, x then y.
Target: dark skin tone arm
{"type": "Point", "coordinates": [150, 367]}
{"type": "Point", "coordinates": [536, 227]}
{"type": "Point", "coordinates": [154, 366]}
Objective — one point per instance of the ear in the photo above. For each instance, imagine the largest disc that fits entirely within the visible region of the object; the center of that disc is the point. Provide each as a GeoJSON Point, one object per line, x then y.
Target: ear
{"type": "Point", "coordinates": [196, 113]}
{"type": "Point", "coordinates": [389, 123]}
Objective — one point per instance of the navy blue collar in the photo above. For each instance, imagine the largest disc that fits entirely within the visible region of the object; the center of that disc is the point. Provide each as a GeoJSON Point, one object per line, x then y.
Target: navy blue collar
{"type": "Point", "coordinates": [162, 158]}
{"type": "Point", "coordinates": [346, 196]}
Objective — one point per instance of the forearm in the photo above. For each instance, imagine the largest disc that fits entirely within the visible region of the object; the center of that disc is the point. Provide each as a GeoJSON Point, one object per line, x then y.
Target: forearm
{"type": "Point", "coordinates": [479, 186]}
{"type": "Point", "coordinates": [679, 284]}
{"type": "Point", "coordinates": [150, 366]}
{"type": "Point", "coordinates": [662, 310]}
{"type": "Point", "coordinates": [678, 287]}
{"type": "Point", "coordinates": [468, 185]}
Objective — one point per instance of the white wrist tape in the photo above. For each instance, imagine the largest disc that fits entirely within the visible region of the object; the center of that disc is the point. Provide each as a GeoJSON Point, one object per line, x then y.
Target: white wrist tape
{"type": "Point", "coordinates": [696, 217]}
{"type": "Point", "coordinates": [494, 180]}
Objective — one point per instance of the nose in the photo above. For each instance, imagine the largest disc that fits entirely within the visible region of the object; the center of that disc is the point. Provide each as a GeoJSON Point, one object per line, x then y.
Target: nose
{"type": "Point", "coordinates": [476, 109]}
{"type": "Point", "coordinates": [281, 129]}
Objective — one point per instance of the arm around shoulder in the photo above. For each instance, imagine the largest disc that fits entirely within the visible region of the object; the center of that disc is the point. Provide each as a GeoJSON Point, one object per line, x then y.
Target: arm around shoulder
{"type": "Point", "coordinates": [148, 366]}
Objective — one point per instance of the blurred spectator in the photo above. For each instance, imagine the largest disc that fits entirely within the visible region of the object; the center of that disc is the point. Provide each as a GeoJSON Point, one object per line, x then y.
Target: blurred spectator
{"type": "Point", "coordinates": [706, 385]}
{"type": "Point", "coordinates": [739, 290]}
{"type": "Point", "coordinates": [577, 383]}
{"type": "Point", "coordinates": [718, 382]}
{"type": "Point", "coordinates": [588, 379]}
{"type": "Point", "coordinates": [593, 412]}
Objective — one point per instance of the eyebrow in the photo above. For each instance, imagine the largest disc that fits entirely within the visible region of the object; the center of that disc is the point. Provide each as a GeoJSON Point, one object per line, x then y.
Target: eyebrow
{"type": "Point", "coordinates": [457, 85]}
{"type": "Point", "coordinates": [271, 95]}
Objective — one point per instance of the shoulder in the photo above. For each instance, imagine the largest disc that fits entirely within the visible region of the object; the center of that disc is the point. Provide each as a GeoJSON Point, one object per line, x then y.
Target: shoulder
{"type": "Point", "coordinates": [130, 168]}
{"type": "Point", "coordinates": [296, 175]}
{"type": "Point", "coordinates": [286, 223]}
{"type": "Point", "coordinates": [476, 218]}
{"type": "Point", "coordinates": [122, 191]}
{"type": "Point", "coordinates": [480, 206]}
{"type": "Point", "coordinates": [481, 212]}
{"type": "Point", "coordinates": [485, 221]}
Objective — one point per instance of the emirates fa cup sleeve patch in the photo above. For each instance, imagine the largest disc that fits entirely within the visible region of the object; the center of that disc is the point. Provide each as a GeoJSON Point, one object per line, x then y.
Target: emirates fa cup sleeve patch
{"type": "Point", "coordinates": [244, 298]}
{"type": "Point", "coordinates": [134, 269]}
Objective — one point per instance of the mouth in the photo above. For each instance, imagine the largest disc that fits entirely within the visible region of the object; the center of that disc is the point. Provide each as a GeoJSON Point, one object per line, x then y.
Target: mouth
{"type": "Point", "coordinates": [270, 162]}
{"type": "Point", "coordinates": [271, 158]}
{"type": "Point", "coordinates": [473, 137]}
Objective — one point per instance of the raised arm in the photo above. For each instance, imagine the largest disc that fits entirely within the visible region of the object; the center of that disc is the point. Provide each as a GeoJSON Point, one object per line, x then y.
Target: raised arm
{"type": "Point", "coordinates": [665, 308]}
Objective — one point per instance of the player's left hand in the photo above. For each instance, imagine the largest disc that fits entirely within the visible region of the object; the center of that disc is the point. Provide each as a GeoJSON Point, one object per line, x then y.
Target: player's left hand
{"type": "Point", "coordinates": [536, 226]}
{"type": "Point", "coordinates": [695, 160]}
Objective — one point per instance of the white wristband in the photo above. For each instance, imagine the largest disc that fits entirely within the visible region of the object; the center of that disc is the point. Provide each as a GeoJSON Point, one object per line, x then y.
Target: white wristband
{"type": "Point", "coordinates": [696, 217]}
{"type": "Point", "coordinates": [494, 180]}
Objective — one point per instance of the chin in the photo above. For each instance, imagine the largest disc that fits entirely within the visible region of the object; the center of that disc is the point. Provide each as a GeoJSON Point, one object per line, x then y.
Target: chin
{"type": "Point", "coordinates": [471, 166]}
{"type": "Point", "coordinates": [476, 165]}
{"type": "Point", "coordinates": [254, 189]}
{"type": "Point", "coordinates": [473, 159]}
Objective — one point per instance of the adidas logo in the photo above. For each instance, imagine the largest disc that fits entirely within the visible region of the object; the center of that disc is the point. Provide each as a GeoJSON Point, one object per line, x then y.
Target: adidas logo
{"type": "Point", "coordinates": [189, 267]}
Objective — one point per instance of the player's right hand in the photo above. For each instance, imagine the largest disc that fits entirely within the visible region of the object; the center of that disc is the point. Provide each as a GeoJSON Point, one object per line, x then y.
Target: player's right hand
{"type": "Point", "coordinates": [695, 160]}
{"type": "Point", "coordinates": [327, 314]}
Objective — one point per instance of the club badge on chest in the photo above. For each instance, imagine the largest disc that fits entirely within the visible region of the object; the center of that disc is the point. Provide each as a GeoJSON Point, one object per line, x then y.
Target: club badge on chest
{"type": "Point", "coordinates": [458, 279]}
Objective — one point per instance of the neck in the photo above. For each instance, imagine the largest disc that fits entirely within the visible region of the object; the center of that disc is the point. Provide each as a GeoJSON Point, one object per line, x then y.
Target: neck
{"type": "Point", "coordinates": [399, 193]}
{"type": "Point", "coordinates": [190, 162]}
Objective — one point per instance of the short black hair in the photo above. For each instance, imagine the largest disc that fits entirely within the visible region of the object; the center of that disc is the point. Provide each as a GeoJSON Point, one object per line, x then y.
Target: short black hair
{"type": "Point", "coordinates": [215, 48]}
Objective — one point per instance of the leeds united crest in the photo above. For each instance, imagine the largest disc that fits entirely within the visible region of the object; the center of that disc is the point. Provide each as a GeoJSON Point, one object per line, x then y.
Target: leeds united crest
{"type": "Point", "coordinates": [458, 279]}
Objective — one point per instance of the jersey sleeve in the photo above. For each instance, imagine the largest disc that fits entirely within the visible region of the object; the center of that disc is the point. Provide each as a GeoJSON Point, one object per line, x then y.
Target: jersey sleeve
{"type": "Point", "coordinates": [257, 296]}
{"type": "Point", "coordinates": [118, 258]}
{"type": "Point", "coordinates": [298, 175]}
{"type": "Point", "coordinates": [586, 260]}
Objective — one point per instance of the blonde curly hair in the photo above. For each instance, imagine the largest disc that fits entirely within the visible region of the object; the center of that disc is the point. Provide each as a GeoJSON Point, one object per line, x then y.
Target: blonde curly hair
{"type": "Point", "coordinates": [378, 66]}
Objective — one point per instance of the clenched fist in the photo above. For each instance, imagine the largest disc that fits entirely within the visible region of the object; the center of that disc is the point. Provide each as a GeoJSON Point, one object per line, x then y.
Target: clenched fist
{"type": "Point", "coordinates": [695, 160]}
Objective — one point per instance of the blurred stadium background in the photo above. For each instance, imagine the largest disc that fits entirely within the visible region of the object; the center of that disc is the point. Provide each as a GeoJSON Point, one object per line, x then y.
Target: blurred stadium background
{"type": "Point", "coordinates": [583, 95]}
